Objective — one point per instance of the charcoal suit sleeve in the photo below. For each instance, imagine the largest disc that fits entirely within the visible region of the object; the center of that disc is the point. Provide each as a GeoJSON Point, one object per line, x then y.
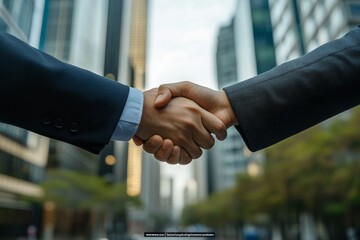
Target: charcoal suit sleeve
{"type": "Point", "coordinates": [298, 94]}
{"type": "Point", "coordinates": [44, 95]}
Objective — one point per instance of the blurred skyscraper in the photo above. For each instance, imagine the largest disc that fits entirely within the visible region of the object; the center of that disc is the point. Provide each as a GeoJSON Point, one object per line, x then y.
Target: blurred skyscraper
{"type": "Point", "coordinates": [191, 192]}
{"type": "Point", "coordinates": [226, 62]}
{"type": "Point", "coordinates": [143, 172]}
{"type": "Point", "coordinates": [245, 48]}
{"type": "Point", "coordinates": [200, 176]}
{"type": "Point", "coordinates": [150, 191]}
{"type": "Point", "coordinates": [167, 197]}
{"type": "Point", "coordinates": [300, 26]}
{"type": "Point", "coordinates": [23, 154]}
{"type": "Point", "coordinates": [254, 38]}
{"type": "Point", "coordinates": [57, 28]}
{"type": "Point", "coordinates": [262, 35]}
{"type": "Point", "coordinates": [226, 159]}
{"type": "Point", "coordinates": [58, 34]}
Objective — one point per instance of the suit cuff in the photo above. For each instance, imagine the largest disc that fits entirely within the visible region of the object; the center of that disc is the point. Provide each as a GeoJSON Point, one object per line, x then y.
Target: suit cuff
{"type": "Point", "coordinates": [130, 117]}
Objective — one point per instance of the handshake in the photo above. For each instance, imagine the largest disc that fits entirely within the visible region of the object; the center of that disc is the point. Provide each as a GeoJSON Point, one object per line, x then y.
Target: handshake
{"type": "Point", "coordinates": [178, 120]}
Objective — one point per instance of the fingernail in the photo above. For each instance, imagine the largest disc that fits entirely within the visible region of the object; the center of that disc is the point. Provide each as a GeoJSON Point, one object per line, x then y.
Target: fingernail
{"type": "Point", "coordinates": [158, 98]}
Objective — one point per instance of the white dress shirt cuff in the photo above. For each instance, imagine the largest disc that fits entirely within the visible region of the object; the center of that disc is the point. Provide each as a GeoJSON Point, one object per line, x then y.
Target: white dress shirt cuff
{"type": "Point", "coordinates": [130, 117]}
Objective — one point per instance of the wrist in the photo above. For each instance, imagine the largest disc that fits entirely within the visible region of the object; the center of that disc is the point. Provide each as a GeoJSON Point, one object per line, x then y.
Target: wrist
{"type": "Point", "coordinates": [130, 118]}
{"type": "Point", "coordinates": [230, 118]}
{"type": "Point", "coordinates": [142, 131]}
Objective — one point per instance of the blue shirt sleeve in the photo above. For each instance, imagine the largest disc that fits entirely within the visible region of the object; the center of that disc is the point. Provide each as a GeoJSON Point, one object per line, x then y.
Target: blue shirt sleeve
{"type": "Point", "coordinates": [130, 117]}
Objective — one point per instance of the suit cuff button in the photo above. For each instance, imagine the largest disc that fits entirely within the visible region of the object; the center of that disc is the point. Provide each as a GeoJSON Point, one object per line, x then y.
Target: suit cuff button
{"type": "Point", "coordinates": [46, 120]}
{"type": "Point", "coordinates": [74, 127]}
{"type": "Point", "coordinates": [59, 123]}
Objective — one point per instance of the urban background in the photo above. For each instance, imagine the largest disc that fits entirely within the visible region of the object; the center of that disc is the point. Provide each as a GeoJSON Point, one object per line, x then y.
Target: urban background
{"type": "Point", "coordinates": [306, 187]}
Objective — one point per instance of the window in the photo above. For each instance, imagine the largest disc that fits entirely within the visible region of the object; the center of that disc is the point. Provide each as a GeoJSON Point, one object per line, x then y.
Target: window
{"type": "Point", "coordinates": [18, 168]}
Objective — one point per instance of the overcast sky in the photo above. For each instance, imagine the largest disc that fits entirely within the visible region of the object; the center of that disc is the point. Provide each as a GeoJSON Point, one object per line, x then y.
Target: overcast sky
{"type": "Point", "coordinates": [182, 39]}
{"type": "Point", "coordinates": [181, 46]}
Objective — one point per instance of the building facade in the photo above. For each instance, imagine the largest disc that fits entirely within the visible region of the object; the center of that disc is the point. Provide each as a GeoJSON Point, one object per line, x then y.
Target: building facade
{"type": "Point", "coordinates": [60, 37]}
{"type": "Point", "coordinates": [301, 26]}
{"type": "Point", "coordinates": [226, 159]}
{"type": "Point", "coordinates": [245, 48]}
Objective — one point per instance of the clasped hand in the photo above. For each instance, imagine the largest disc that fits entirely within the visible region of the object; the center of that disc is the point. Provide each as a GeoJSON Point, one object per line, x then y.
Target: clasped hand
{"type": "Point", "coordinates": [178, 120]}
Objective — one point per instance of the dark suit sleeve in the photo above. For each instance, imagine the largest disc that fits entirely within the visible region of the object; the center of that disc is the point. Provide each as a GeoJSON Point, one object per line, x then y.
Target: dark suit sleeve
{"type": "Point", "coordinates": [55, 99]}
{"type": "Point", "coordinates": [298, 94]}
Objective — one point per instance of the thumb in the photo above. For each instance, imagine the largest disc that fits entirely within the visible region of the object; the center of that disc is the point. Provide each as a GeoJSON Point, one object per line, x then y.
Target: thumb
{"type": "Point", "coordinates": [168, 91]}
{"type": "Point", "coordinates": [163, 97]}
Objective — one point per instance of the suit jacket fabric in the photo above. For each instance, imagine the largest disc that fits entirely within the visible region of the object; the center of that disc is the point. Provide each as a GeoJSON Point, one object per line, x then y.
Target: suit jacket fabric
{"type": "Point", "coordinates": [55, 99]}
{"type": "Point", "coordinates": [298, 94]}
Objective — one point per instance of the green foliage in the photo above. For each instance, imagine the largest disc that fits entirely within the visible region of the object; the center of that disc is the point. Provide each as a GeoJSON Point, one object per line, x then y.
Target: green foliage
{"type": "Point", "coordinates": [316, 171]}
{"type": "Point", "coordinates": [214, 211]}
{"type": "Point", "coordinates": [80, 191]}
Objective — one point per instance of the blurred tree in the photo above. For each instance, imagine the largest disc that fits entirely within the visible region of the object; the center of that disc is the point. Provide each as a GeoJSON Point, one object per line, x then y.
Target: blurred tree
{"type": "Point", "coordinates": [315, 172]}
{"type": "Point", "coordinates": [70, 189]}
{"type": "Point", "coordinates": [217, 210]}
{"type": "Point", "coordinates": [83, 192]}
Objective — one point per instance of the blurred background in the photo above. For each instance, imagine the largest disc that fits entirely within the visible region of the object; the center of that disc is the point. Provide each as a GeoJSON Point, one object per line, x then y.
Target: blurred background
{"type": "Point", "coordinates": [306, 187]}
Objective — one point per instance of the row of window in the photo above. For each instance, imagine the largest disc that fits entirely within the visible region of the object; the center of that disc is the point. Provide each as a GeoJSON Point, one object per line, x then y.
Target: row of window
{"type": "Point", "coordinates": [18, 168]}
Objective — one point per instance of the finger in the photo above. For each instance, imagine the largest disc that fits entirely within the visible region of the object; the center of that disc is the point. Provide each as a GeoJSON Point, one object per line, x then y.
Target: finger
{"type": "Point", "coordinates": [184, 158]}
{"type": "Point", "coordinates": [165, 150]}
{"type": "Point", "coordinates": [192, 149]}
{"type": "Point", "coordinates": [201, 95]}
{"type": "Point", "coordinates": [168, 91]}
{"type": "Point", "coordinates": [203, 138]}
{"type": "Point", "coordinates": [163, 98]}
{"type": "Point", "coordinates": [153, 144]}
{"type": "Point", "coordinates": [138, 141]}
{"type": "Point", "coordinates": [174, 156]}
{"type": "Point", "coordinates": [213, 124]}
